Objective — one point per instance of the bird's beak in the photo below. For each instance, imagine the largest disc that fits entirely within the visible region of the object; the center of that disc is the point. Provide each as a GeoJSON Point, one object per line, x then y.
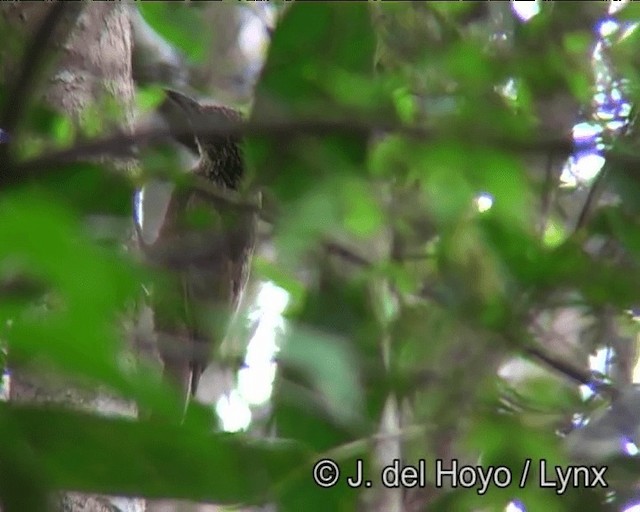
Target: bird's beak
{"type": "Point", "coordinates": [183, 114]}
{"type": "Point", "coordinates": [188, 105]}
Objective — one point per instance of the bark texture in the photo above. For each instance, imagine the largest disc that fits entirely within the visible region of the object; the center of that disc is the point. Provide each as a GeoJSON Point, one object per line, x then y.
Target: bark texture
{"type": "Point", "coordinates": [88, 66]}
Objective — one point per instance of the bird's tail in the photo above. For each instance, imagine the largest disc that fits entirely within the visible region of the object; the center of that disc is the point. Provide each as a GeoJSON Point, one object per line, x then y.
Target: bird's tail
{"type": "Point", "coordinates": [178, 368]}
{"type": "Point", "coordinates": [196, 372]}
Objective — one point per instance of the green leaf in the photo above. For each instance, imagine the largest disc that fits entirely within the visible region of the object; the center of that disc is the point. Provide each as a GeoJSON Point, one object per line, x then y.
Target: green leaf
{"type": "Point", "coordinates": [81, 452]}
{"type": "Point", "coordinates": [309, 219]}
{"type": "Point", "coordinates": [296, 84]}
{"type": "Point", "coordinates": [181, 25]}
{"type": "Point", "coordinates": [329, 364]}
{"type": "Point", "coordinates": [405, 104]}
{"type": "Point", "coordinates": [88, 188]}
{"type": "Point", "coordinates": [363, 215]}
{"type": "Point", "coordinates": [87, 289]}
{"type": "Point", "coordinates": [295, 70]}
{"type": "Point", "coordinates": [149, 98]}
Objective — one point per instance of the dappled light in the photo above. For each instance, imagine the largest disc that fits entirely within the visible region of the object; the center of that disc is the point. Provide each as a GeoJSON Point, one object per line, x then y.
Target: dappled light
{"type": "Point", "coordinates": [319, 256]}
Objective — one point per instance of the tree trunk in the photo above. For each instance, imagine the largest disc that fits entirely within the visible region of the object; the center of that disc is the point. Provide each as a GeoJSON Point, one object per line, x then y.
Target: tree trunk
{"type": "Point", "coordinates": [91, 67]}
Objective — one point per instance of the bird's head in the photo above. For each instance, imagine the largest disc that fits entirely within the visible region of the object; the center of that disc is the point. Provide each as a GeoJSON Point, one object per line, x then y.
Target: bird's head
{"type": "Point", "coordinates": [220, 155]}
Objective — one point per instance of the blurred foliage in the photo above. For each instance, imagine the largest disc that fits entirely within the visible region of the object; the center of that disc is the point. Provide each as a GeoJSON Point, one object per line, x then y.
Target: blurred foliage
{"type": "Point", "coordinates": [183, 28]}
{"type": "Point", "coordinates": [396, 124]}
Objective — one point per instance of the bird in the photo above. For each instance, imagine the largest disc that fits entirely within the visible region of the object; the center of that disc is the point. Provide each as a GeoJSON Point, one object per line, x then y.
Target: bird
{"type": "Point", "coordinates": [204, 248]}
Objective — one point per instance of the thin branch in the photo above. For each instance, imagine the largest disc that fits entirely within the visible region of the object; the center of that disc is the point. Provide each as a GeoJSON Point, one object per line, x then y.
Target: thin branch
{"type": "Point", "coordinates": [336, 249]}
{"type": "Point", "coordinates": [591, 203]}
{"type": "Point", "coordinates": [125, 144]}
{"type": "Point", "coordinates": [561, 366]}
{"type": "Point", "coordinates": [226, 197]}
{"type": "Point", "coordinates": [549, 187]}
{"type": "Point", "coordinates": [576, 374]}
{"type": "Point", "coordinates": [415, 256]}
{"type": "Point", "coordinates": [229, 198]}
{"type": "Point", "coordinates": [353, 448]}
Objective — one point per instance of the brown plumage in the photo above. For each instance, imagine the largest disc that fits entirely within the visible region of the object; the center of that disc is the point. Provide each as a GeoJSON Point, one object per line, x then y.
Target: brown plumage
{"type": "Point", "coordinates": [210, 245]}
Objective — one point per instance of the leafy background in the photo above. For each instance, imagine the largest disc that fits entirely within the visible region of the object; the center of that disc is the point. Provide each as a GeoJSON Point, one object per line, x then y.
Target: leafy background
{"type": "Point", "coordinates": [378, 131]}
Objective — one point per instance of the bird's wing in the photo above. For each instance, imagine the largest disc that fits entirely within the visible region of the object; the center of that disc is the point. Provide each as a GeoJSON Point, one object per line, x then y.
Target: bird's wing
{"type": "Point", "coordinates": [207, 251]}
{"type": "Point", "coordinates": [216, 278]}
